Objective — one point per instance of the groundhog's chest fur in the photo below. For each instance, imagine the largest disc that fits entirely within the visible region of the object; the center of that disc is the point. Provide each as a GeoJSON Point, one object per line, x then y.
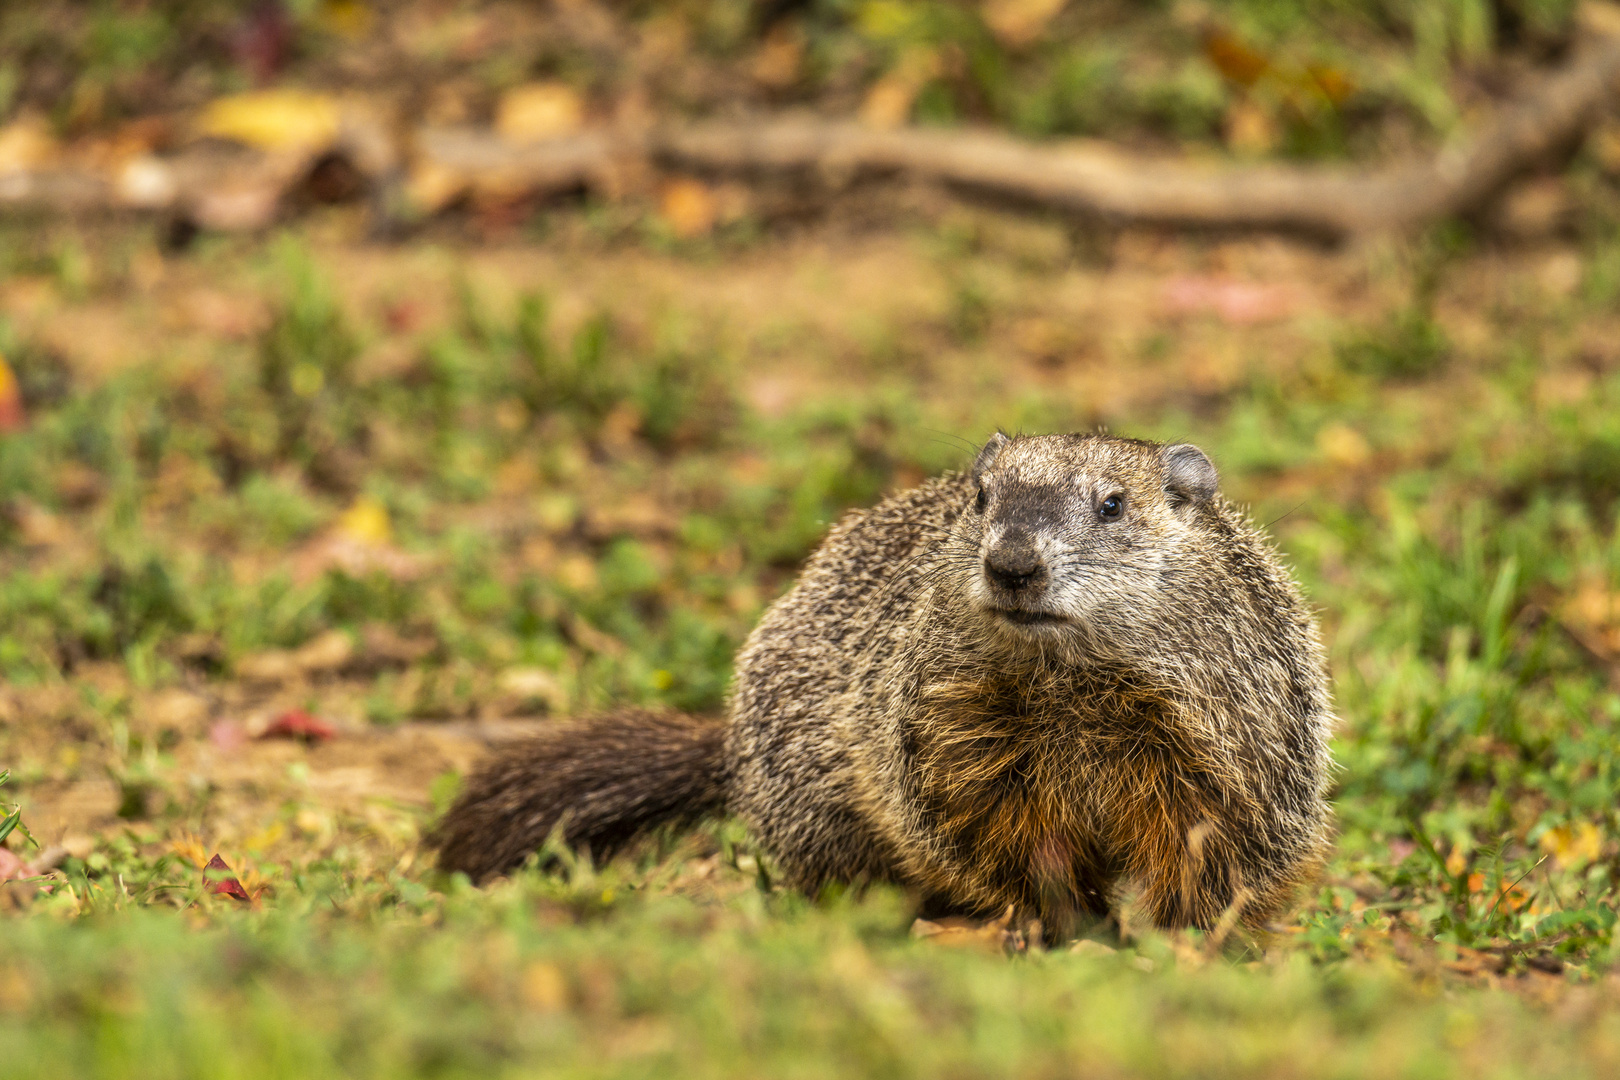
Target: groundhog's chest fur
{"type": "Point", "coordinates": [1045, 795]}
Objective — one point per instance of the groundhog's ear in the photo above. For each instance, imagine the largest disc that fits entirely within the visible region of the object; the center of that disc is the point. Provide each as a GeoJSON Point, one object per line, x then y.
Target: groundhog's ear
{"type": "Point", "coordinates": [1190, 478]}
{"type": "Point", "coordinates": [992, 447]}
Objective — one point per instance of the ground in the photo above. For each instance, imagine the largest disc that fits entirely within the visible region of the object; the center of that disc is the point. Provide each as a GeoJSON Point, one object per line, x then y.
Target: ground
{"type": "Point", "coordinates": [299, 522]}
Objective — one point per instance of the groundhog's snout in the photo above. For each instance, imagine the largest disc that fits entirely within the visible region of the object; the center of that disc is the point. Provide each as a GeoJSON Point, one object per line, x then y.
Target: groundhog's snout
{"type": "Point", "coordinates": [1013, 563]}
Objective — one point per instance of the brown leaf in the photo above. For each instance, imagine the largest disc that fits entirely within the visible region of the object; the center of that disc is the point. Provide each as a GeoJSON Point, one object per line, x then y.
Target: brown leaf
{"type": "Point", "coordinates": [1232, 58]}
{"type": "Point", "coordinates": [888, 103]}
{"type": "Point", "coordinates": [1335, 85]}
{"type": "Point", "coordinates": [1017, 23]}
{"type": "Point", "coordinates": [780, 58]}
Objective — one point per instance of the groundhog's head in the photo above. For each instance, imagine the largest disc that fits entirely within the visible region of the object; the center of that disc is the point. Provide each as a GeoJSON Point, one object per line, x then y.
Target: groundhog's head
{"type": "Point", "coordinates": [1076, 540]}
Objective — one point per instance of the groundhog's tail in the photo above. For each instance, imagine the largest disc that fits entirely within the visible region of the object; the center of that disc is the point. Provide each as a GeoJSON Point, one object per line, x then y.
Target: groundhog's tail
{"type": "Point", "coordinates": [606, 780]}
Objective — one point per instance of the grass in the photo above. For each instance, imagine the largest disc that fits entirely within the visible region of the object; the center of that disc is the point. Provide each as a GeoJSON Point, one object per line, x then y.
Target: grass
{"type": "Point", "coordinates": [535, 505]}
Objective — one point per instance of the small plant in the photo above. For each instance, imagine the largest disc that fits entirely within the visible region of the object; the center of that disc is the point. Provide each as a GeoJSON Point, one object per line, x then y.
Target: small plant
{"type": "Point", "coordinates": [1407, 345]}
{"type": "Point", "coordinates": [12, 821]}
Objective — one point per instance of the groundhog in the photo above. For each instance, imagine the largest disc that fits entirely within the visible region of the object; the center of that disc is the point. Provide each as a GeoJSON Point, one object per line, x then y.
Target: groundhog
{"type": "Point", "coordinates": [1073, 673]}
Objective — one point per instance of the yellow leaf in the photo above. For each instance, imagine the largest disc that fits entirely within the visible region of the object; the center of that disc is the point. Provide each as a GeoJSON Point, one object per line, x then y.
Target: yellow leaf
{"type": "Point", "coordinates": [544, 987]}
{"type": "Point", "coordinates": [366, 522]}
{"type": "Point", "coordinates": [275, 120]}
{"type": "Point", "coordinates": [538, 111]}
{"type": "Point", "coordinates": [1574, 844]}
{"type": "Point", "coordinates": [689, 208]}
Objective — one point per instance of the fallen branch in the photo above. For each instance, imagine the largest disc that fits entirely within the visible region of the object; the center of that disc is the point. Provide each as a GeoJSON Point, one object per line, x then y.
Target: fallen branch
{"type": "Point", "coordinates": [226, 191]}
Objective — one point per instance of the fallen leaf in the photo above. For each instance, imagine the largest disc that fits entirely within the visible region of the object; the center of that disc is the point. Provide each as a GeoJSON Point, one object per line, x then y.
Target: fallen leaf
{"type": "Point", "coordinates": [689, 208]}
{"type": "Point", "coordinates": [1232, 58]}
{"type": "Point", "coordinates": [993, 935]}
{"type": "Point", "coordinates": [1574, 844]}
{"type": "Point", "coordinates": [224, 886]}
{"type": "Point", "coordinates": [538, 111]}
{"type": "Point", "coordinates": [280, 120]}
{"type": "Point", "coordinates": [1335, 85]}
{"type": "Point", "coordinates": [12, 416]}
{"type": "Point", "coordinates": [888, 103]}
{"type": "Point", "coordinates": [366, 522]}
{"type": "Point", "coordinates": [780, 58]}
{"type": "Point", "coordinates": [26, 144]}
{"type": "Point", "coordinates": [544, 987]}
{"type": "Point", "coordinates": [298, 724]}
{"type": "Point", "coordinates": [1250, 130]}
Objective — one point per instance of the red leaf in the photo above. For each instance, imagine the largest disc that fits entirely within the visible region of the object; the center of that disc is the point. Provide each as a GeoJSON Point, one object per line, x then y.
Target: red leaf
{"type": "Point", "coordinates": [298, 724]}
{"type": "Point", "coordinates": [228, 886]}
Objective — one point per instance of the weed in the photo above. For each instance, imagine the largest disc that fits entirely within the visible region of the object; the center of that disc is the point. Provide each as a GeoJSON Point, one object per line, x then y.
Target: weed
{"type": "Point", "coordinates": [11, 819]}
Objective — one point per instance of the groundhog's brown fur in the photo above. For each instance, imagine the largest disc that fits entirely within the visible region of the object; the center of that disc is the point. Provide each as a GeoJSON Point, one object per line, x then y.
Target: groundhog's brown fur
{"type": "Point", "coordinates": [1074, 669]}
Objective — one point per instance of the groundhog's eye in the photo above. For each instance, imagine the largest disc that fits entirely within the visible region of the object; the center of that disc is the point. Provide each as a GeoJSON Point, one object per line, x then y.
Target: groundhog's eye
{"type": "Point", "coordinates": [1111, 507]}
{"type": "Point", "coordinates": [979, 500]}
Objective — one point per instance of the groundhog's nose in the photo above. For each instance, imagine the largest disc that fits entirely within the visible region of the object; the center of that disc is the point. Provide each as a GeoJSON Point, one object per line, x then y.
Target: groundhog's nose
{"type": "Point", "coordinates": [1012, 561]}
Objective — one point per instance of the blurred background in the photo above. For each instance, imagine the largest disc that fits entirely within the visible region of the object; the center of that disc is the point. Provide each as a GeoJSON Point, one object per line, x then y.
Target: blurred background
{"type": "Point", "coordinates": [385, 377]}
